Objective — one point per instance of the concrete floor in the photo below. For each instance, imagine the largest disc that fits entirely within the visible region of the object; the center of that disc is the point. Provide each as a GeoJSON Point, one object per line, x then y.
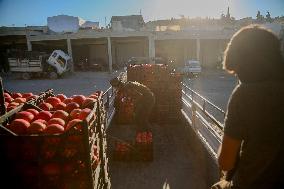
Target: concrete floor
{"type": "Point", "coordinates": [178, 163]}
{"type": "Point", "coordinates": [78, 83]}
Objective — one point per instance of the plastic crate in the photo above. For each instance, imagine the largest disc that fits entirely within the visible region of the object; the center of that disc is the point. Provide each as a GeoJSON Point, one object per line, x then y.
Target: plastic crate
{"type": "Point", "coordinates": [124, 109]}
{"type": "Point", "coordinates": [133, 150]}
{"type": "Point", "coordinates": [65, 160]}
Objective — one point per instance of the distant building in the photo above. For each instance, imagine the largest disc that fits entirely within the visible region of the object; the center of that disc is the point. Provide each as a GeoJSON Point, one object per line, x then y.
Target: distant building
{"type": "Point", "coordinates": [127, 23]}
{"type": "Point", "coordinates": [165, 25]}
{"type": "Point", "coordinates": [90, 25]}
{"type": "Point", "coordinates": [69, 24]}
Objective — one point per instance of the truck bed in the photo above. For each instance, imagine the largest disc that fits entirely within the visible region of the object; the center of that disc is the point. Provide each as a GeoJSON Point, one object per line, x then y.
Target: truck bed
{"type": "Point", "coordinates": [179, 160]}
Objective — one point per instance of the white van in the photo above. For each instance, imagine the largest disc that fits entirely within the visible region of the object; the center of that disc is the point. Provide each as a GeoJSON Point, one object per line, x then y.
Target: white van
{"type": "Point", "coordinates": [191, 68]}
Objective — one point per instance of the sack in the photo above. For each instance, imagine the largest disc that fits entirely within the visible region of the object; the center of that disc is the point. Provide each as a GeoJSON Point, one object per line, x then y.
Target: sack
{"type": "Point", "coordinates": [222, 184]}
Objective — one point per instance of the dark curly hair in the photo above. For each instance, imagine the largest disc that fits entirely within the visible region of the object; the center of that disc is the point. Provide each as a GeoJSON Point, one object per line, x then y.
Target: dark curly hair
{"type": "Point", "coordinates": [254, 54]}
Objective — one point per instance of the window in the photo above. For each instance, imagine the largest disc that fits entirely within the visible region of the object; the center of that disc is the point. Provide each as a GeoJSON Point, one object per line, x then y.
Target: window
{"type": "Point", "coordinates": [61, 61]}
{"type": "Point", "coordinates": [54, 55]}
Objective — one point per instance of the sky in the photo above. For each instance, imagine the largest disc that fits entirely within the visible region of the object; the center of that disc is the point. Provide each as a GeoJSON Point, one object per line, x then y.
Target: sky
{"type": "Point", "coordinates": [35, 12]}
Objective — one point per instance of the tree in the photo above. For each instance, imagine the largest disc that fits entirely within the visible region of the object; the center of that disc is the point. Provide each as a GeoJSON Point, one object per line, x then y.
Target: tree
{"type": "Point", "coordinates": [259, 17]}
{"type": "Point", "coordinates": [268, 17]}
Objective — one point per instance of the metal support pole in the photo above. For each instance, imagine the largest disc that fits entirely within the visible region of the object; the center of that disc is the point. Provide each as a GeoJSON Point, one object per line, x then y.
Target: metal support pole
{"type": "Point", "coordinates": [198, 49]}
{"type": "Point", "coordinates": [109, 54]}
{"type": "Point", "coordinates": [2, 99]}
{"type": "Point", "coordinates": [193, 111]}
{"type": "Point", "coordinates": [29, 44]}
{"type": "Point", "coordinates": [107, 100]}
{"type": "Point", "coordinates": [69, 48]}
{"type": "Point", "coordinates": [152, 49]}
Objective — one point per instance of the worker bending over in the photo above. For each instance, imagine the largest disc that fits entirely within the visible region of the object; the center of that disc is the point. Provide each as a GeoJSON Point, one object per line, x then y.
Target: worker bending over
{"type": "Point", "coordinates": [143, 99]}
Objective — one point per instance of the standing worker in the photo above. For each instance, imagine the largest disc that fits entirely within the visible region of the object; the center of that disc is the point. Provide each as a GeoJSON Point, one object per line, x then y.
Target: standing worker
{"type": "Point", "coordinates": [253, 142]}
{"type": "Point", "coordinates": [143, 99]}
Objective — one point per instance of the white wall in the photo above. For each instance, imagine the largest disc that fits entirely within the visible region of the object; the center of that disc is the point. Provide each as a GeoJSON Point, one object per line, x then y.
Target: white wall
{"type": "Point", "coordinates": [63, 23]}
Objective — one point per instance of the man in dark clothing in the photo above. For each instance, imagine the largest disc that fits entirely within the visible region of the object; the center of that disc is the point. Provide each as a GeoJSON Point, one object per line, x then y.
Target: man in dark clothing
{"type": "Point", "coordinates": [255, 116]}
{"type": "Point", "coordinates": [254, 123]}
{"type": "Point", "coordinates": [143, 98]}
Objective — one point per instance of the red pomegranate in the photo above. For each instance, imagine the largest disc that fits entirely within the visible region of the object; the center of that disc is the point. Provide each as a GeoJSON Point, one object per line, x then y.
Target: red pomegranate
{"type": "Point", "coordinates": [60, 106]}
{"type": "Point", "coordinates": [19, 126]}
{"type": "Point", "coordinates": [33, 111]}
{"type": "Point", "coordinates": [36, 127]}
{"type": "Point", "coordinates": [45, 115]}
{"type": "Point", "coordinates": [75, 113]}
{"type": "Point", "coordinates": [62, 97]}
{"type": "Point", "coordinates": [71, 106]}
{"type": "Point", "coordinates": [79, 99]}
{"type": "Point", "coordinates": [53, 101]}
{"type": "Point", "coordinates": [54, 129]}
{"type": "Point", "coordinates": [28, 116]}
{"type": "Point", "coordinates": [45, 106]}
{"type": "Point", "coordinates": [84, 113]}
{"type": "Point", "coordinates": [56, 121]}
{"type": "Point", "coordinates": [60, 114]}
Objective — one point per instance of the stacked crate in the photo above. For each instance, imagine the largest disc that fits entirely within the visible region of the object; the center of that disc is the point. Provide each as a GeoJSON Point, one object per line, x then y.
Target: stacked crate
{"type": "Point", "coordinates": [123, 151]}
{"type": "Point", "coordinates": [140, 149]}
{"type": "Point", "coordinates": [73, 159]}
{"type": "Point", "coordinates": [144, 145]}
{"type": "Point", "coordinates": [166, 87]}
{"type": "Point", "coordinates": [124, 108]}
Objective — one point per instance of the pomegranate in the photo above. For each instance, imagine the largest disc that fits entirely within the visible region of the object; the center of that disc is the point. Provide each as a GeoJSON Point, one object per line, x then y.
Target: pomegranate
{"type": "Point", "coordinates": [36, 127]}
{"type": "Point", "coordinates": [45, 106]}
{"type": "Point", "coordinates": [54, 129]}
{"type": "Point", "coordinates": [28, 116]}
{"type": "Point", "coordinates": [53, 101]}
{"type": "Point", "coordinates": [60, 106]}
{"type": "Point", "coordinates": [75, 113]}
{"type": "Point", "coordinates": [71, 106]}
{"type": "Point", "coordinates": [45, 115]}
{"type": "Point", "coordinates": [62, 97]}
{"type": "Point", "coordinates": [19, 126]}
{"type": "Point", "coordinates": [60, 114]}
{"type": "Point", "coordinates": [84, 113]}
{"type": "Point", "coordinates": [56, 121]}
{"type": "Point", "coordinates": [33, 111]}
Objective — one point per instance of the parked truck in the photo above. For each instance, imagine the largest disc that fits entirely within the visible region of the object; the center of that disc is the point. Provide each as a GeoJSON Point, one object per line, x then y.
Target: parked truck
{"type": "Point", "coordinates": [30, 64]}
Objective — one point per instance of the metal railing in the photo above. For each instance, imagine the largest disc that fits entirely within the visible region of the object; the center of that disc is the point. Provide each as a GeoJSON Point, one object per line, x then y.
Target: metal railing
{"type": "Point", "coordinates": [108, 101]}
{"type": "Point", "coordinates": [202, 115]}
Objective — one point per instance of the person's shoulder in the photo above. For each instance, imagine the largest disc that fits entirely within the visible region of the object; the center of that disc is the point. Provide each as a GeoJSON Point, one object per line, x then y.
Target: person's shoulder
{"type": "Point", "coordinates": [135, 83]}
{"type": "Point", "coordinates": [239, 88]}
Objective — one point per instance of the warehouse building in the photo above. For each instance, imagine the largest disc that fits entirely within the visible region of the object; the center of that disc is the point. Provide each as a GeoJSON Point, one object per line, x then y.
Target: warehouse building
{"type": "Point", "coordinates": [126, 37]}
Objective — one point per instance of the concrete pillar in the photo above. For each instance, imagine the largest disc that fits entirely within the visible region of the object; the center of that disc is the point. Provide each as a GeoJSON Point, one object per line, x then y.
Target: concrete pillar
{"type": "Point", "coordinates": [151, 49]}
{"type": "Point", "coordinates": [29, 44]}
{"type": "Point", "coordinates": [198, 49]}
{"type": "Point", "coordinates": [185, 51]}
{"type": "Point", "coordinates": [69, 49]}
{"type": "Point", "coordinates": [109, 54]}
